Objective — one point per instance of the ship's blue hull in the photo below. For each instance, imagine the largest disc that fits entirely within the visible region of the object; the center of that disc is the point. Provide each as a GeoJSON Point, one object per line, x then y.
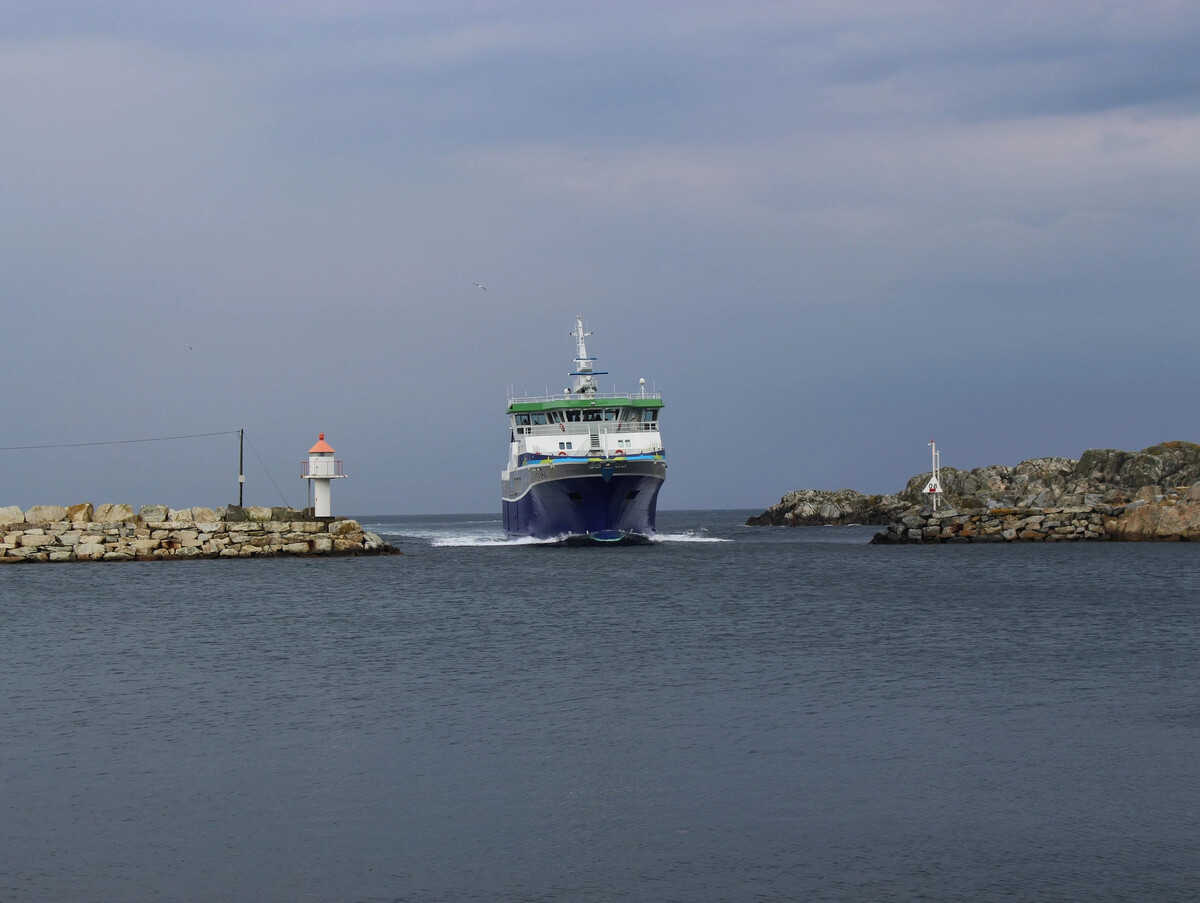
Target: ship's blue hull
{"type": "Point", "coordinates": [602, 507]}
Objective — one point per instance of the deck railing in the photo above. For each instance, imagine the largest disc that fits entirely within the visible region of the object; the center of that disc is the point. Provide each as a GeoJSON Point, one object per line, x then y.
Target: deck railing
{"type": "Point", "coordinates": [576, 429]}
{"type": "Point", "coordinates": [598, 397]}
{"type": "Point", "coordinates": [323, 469]}
{"type": "Point", "coordinates": [594, 454]}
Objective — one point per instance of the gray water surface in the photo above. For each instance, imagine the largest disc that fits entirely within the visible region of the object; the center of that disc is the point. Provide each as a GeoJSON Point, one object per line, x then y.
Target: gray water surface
{"type": "Point", "coordinates": [732, 714]}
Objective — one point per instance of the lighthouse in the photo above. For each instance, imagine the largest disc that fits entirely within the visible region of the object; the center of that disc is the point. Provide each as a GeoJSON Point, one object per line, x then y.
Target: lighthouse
{"type": "Point", "coordinates": [319, 469]}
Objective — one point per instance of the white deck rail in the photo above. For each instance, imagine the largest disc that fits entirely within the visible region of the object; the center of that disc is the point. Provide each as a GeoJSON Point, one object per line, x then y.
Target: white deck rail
{"type": "Point", "coordinates": [575, 429]}
{"type": "Point", "coordinates": [598, 399]}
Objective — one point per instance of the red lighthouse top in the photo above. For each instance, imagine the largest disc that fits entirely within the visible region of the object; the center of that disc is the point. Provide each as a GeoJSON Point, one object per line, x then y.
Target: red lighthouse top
{"type": "Point", "coordinates": [322, 447]}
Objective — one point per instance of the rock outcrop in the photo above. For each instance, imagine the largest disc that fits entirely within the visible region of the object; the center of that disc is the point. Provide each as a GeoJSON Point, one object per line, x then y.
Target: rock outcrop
{"type": "Point", "coordinates": [1106, 494]}
{"type": "Point", "coordinates": [115, 533]}
{"type": "Point", "coordinates": [1154, 516]}
{"type": "Point", "coordinates": [815, 507]}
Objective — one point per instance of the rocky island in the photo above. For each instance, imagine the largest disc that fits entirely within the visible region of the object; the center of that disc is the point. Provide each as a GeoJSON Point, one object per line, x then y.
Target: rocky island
{"type": "Point", "coordinates": [155, 532]}
{"type": "Point", "coordinates": [1106, 494]}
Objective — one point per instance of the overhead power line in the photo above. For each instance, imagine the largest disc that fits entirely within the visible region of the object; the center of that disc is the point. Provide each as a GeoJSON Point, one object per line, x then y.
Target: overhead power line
{"type": "Point", "coordinates": [117, 441]}
{"type": "Point", "coordinates": [269, 477]}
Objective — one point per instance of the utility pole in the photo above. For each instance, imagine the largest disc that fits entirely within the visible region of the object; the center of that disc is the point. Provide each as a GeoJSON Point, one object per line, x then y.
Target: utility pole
{"type": "Point", "coordinates": [241, 464]}
{"type": "Point", "coordinates": [934, 486]}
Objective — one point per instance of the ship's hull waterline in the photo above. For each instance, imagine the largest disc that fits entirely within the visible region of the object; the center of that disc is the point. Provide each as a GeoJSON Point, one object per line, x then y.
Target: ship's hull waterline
{"type": "Point", "coordinates": [601, 501]}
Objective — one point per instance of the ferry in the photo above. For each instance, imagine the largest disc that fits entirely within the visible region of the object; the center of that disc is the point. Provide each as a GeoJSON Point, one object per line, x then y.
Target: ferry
{"type": "Point", "coordinates": [584, 466]}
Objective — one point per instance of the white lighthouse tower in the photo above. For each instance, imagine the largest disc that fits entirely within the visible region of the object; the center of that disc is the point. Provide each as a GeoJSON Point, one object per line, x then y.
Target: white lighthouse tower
{"type": "Point", "coordinates": [319, 470]}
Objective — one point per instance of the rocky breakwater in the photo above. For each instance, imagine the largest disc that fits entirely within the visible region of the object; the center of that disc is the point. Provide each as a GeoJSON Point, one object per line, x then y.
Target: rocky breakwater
{"type": "Point", "coordinates": [1106, 494]}
{"type": "Point", "coordinates": [156, 532]}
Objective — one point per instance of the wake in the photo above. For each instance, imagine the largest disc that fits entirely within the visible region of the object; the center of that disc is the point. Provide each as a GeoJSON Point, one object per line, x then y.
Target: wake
{"type": "Point", "coordinates": [488, 536]}
{"type": "Point", "coordinates": [689, 536]}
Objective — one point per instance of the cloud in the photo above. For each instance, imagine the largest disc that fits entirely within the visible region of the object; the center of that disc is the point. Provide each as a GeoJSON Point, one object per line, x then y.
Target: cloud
{"type": "Point", "coordinates": [927, 189]}
{"type": "Point", "coordinates": [795, 194]}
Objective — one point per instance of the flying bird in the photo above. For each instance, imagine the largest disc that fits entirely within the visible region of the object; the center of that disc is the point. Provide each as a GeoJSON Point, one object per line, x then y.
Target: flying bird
{"type": "Point", "coordinates": [479, 285]}
{"type": "Point", "coordinates": [189, 347]}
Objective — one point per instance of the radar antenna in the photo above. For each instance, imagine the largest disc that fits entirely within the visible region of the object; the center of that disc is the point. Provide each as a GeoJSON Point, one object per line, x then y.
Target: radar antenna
{"type": "Point", "coordinates": [585, 376]}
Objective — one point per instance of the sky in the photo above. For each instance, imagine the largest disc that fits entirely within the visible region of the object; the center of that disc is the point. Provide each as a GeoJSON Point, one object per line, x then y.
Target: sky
{"type": "Point", "coordinates": [827, 232]}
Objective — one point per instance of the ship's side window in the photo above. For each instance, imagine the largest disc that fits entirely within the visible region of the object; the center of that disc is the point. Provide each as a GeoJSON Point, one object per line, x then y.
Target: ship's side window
{"type": "Point", "coordinates": [522, 420]}
{"type": "Point", "coordinates": [573, 416]}
{"type": "Point", "coordinates": [610, 414]}
{"type": "Point", "coordinates": [538, 419]}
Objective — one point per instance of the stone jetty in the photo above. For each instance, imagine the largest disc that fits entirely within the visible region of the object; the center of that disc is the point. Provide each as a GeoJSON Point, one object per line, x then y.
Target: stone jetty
{"type": "Point", "coordinates": [1105, 495]}
{"type": "Point", "coordinates": [1153, 516]}
{"type": "Point", "coordinates": [155, 532]}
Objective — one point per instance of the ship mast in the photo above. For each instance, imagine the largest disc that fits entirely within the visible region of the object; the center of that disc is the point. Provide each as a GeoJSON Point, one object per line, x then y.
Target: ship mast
{"type": "Point", "coordinates": [585, 376]}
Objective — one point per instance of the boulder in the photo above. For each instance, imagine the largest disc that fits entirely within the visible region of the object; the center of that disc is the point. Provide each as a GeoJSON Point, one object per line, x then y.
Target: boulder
{"type": "Point", "coordinates": [154, 514]}
{"type": "Point", "coordinates": [114, 514]}
{"type": "Point", "coordinates": [81, 514]}
{"type": "Point", "coordinates": [45, 514]}
{"type": "Point", "coordinates": [1148, 494]}
{"type": "Point", "coordinates": [1158, 522]}
{"type": "Point", "coordinates": [180, 515]}
{"type": "Point", "coordinates": [1044, 468]}
{"type": "Point", "coordinates": [11, 515]}
{"type": "Point", "coordinates": [1168, 463]}
{"type": "Point", "coordinates": [344, 527]}
{"type": "Point", "coordinates": [205, 515]}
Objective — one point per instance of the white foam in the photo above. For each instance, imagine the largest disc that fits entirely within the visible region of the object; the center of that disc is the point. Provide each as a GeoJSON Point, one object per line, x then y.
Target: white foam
{"type": "Point", "coordinates": [471, 541]}
{"type": "Point", "coordinates": [689, 536]}
{"type": "Point", "coordinates": [464, 534]}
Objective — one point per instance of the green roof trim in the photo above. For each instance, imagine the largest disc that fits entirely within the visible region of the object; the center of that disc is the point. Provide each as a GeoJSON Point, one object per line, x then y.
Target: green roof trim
{"type": "Point", "coordinates": [566, 402]}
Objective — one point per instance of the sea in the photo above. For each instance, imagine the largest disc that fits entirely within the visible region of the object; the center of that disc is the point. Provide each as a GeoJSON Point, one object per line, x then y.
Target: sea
{"type": "Point", "coordinates": [726, 714]}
